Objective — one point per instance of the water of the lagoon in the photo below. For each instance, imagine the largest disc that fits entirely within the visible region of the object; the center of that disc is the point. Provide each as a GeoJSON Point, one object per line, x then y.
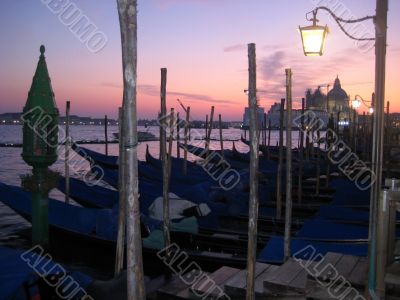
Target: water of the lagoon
{"type": "Point", "coordinates": [12, 167]}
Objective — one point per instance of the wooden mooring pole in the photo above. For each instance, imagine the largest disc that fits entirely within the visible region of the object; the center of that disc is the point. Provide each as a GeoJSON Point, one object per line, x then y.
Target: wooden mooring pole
{"type": "Point", "coordinates": [209, 129]}
{"type": "Point", "coordinates": [185, 152]}
{"type": "Point", "coordinates": [106, 134]}
{"type": "Point", "coordinates": [288, 209]}
{"type": "Point", "coordinates": [280, 164]}
{"type": "Point", "coordinates": [301, 154]}
{"type": "Point", "coordinates": [164, 158]}
{"type": "Point", "coordinates": [67, 147]}
{"type": "Point", "coordinates": [120, 253]}
{"type": "Point", "coordinates": [127, 10]}
{"type": "Point", "coordinates": [269, 139]}
{"type": "Point", "coordinates": [253, 201]}
{"type": "Point", "coordinates": [178, 138]}
{"type": "Point", "coordinates": [220, 135]}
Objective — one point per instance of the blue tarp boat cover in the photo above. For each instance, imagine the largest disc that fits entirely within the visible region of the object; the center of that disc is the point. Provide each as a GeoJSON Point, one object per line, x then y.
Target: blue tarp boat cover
{"type": "Point", "coordinates": [16, 270]}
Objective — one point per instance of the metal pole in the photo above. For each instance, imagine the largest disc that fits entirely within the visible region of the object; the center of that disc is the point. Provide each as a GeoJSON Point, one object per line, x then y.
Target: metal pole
{"type": "Point", "coordinates": [382, 242]}
{"type": "Point", "coordinates": [253, 201]}
{"type": "Point", "coordinates": [106, 134]}
{"type": "Point", "coordinates": [377, 143]}
{"type": "Point", "coordinates": [288, 210]}
{"type": "Point", "coordinates": [119, 255]}
{"type": "Point", "coordinates": [394, 197]}
{"type": "Point", "coordinates": [127, 10]}
{"type": "Point", "coordinates": [67, 147]}
{"type": "Point", "coordinates": [280, 164]}
{"type": "Point", "coordinates": [186, 140]}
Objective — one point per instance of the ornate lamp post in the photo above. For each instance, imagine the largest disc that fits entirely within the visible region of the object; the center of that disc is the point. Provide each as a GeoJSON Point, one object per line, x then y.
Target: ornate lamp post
{"type": "Point", "coordinates": [380, 21]}
{"type": "Point", "coordinates": [40, 140]}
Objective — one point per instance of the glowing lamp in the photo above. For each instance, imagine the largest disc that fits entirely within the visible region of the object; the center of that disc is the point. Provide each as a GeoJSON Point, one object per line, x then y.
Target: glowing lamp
{"type": "Point", "coordinates": [313, 38]}
{"type": "Point", "coordinates": [356, 103]}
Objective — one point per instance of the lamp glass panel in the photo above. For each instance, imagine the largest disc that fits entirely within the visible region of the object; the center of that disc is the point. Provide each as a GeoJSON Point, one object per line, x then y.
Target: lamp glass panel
{"type": "Point", "coordinates": [356, 103]}
{"type": "Point", "coordinates": [313, 38]}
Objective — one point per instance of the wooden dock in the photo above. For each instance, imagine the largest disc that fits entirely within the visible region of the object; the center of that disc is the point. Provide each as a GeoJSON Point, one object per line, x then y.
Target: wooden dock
{"type": "Point", "coordinates": [334, 275]}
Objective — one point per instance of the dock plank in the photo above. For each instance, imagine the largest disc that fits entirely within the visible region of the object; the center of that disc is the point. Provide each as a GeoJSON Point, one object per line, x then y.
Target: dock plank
{"type": "Point", "coordinates": [237, 284]}
{"type": "Point", "coordinates": [291, 276]}
{"type": "Point", "coordinates": [346, 265]}
{"type": "Point", "coordinates": [213, 284]}
{"type": "Point", "coordinates": [358, 277]}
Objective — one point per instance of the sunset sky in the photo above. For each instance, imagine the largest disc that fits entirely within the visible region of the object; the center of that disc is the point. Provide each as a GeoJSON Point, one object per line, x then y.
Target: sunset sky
{"type": "Point", "coordinates": [203, 45]}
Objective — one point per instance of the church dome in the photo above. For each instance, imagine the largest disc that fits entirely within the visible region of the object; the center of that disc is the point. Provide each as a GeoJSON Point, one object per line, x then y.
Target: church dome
{"type": "Point", "coordinates": [337, 93]}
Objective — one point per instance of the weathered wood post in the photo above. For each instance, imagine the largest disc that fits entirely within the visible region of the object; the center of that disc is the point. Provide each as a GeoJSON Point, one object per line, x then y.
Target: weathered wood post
{"type": "Point", "coordinates": [301, 153]}
{"type": "Point", "coordinates": [163, 115]}
{"type": "Point", "coordinates": [120, 253]}
{"type": "Point", "coordinates": [288, 210]}
{"type": "Point", "coordinates": [269, 139]}
{"type": "Point", "coordinates": [178, 138]}
{"type": "Point", "coordinates": [280, 164]}
{"type": "Point", "coordinates": [253, 201]}
{"type": "Point", "coordinates": [209, 129]}
{"type": "Point", "coordinates": [308, 139]}
{"type": "Point", "coordinates": [127, 10]}
{"type": "Point", "coordinates": [206, 130]}
{"type": "Point", "coordinates": [67, 147]}
{"type": "Point", "coordinates": [318, 183]}
{"type": "Point", "coordinates": [220, 135]}
{"type": "Point", "coordinates": [106, 134]}
{"type": "Point", "coordinates": [185, 153]}
{"type": "Point", "coordinates": [164, 158]}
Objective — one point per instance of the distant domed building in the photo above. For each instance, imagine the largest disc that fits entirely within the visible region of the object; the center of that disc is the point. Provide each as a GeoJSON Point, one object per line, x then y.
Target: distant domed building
{"type": "Point", "coordinates": [338, 100]}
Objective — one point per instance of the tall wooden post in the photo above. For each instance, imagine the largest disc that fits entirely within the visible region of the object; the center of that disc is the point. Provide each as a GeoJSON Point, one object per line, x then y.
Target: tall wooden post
{"type": "Point", "coordinates": [178, 139]}
{"type": "Point", "coordinates": [206, 130]}
{"type": "Point", "coordinates": [265, 129]}
{"type": "Point", "coordinates": [269, 139]}
{"type": "Point", "coordinates": [253, 201]}
{"type": "Point", "coordinates": [220, 135]}
{"type": "Point", "coordinates": [209, 129]}
{"type": "Point", "coordinates": [318, 182]}
{"type": "Point", "coordinates": [187, 126]}
{"type": "Point", "coordinates": [67, 147]}
{"type": "Point", "coordinates": [301, 153]}
{"type": "Point", "coordinates": [288, 210]}
{"type": "Point", "coordinates": [163, 116]}
{"type": "Point", "coordinates": [164, 157]}
{"type": "Point", "coordinates": [106, 134]}
{"type": "Point", "coordinates": [127, 10]}
{"type": "Point", "coordinates": [120, 253]}
{"type": "Point", "coordinates": [280, 164]}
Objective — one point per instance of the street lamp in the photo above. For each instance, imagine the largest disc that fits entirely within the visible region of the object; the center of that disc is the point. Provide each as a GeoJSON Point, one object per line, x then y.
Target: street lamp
{"type": "Point", "coordinates": [356, 103]}
{"type": "Point", "coordinates": [313, 37]}
{"type": "Point", "coordinates": [376, 264]}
